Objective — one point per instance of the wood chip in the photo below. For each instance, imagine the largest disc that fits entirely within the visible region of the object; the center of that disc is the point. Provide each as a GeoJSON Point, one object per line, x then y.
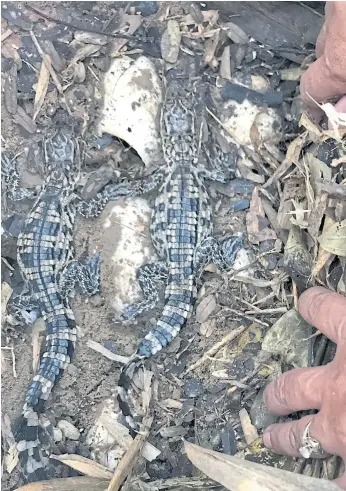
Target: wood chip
{"type": "Point", "coordinates": [41, 88]}
{"type": "Point", "coordinates": [249, 430]}
{"type": "Point", "coordinates": [10, 90]}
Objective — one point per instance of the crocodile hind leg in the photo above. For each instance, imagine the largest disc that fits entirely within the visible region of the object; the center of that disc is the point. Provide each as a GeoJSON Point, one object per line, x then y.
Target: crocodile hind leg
{"type": "Point", "coordinates": [147, 275]}
{"type": "Point", "coordinates": [85, 274]}
{"type": "Point", "coordinates": [211, 251]}
{"type": "Point", "coordinates": [11, 181]}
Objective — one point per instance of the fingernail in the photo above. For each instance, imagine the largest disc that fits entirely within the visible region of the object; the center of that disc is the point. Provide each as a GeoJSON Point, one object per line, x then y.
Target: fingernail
{"type": "Point", "coordinates": [267, 438]}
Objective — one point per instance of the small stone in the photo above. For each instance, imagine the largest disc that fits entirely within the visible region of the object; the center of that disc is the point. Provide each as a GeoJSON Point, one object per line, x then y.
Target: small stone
{"type": "Point", "coordinates": [193, 388]}
{"type": "Point", "coordinates": [57, 434]}
{"type": "Point", "coordinates": [68, 429]}
{"type": "Point", "coordinates": [289, 338]}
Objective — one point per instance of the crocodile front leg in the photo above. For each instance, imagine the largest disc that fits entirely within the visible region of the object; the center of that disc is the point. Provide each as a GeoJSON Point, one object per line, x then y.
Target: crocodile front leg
{"type": "Point", "coordinates": [23, 310]}
{"type": "Point", "coordinates": [85, 274]}
{"type": "Point", "coordinates": [147, 275]}
{"type": "Point", "coordinates": [93, 207]}
{"type": "Point", "coordinates": [210, 251]}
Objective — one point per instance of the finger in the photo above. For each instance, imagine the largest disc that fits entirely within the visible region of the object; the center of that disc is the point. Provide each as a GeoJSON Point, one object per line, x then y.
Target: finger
{"type": "Point", "coordinates": [326, 311]}
{"type": "Point", "coordinates": [296, 390]}
{"type": "Point", "coordinates": [321, 41]}
{"type": "Point", "coordinates": [319, 83]}
{"type": "Point", "coordinates": [340, 481]}
{"type": "Point", "coordinates": [286, 438]}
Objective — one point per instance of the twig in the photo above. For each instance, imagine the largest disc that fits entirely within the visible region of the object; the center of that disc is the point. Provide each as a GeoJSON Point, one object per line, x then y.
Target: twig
{"type": "Point", "coordinates": [126, 464]}
{"type": "Point", "coordinates": [278, 310]}
{"type": "Point", "coordinates": [252, 319]}
{"type": "Point", "coordinates": [77, 28]}
{"type": "Point", "coordinates": [106, 352]}
{"type": "Point", "coordinates": [6, 34]}
{"type": "Point", "coordinates": [47, 61]}
{"type": "Point", "coordinates": [214, 349]}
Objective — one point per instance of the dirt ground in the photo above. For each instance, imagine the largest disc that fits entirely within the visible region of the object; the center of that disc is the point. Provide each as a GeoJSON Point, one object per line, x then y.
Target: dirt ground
{"type": "Point", "coordinates": [201, 405]}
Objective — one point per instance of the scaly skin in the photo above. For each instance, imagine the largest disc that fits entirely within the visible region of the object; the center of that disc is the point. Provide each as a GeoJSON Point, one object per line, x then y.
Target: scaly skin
{"type": "Point", "coordinates": [181, 231]}
{"type": "Point", "coordinates": [45, 256]}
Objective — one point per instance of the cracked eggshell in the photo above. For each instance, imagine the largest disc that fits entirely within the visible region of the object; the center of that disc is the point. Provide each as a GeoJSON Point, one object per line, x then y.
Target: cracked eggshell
{"type": "Point", "coordinates": [132, 98]}
{"type": "Point", "coordinates": [126, 245]}
{"type": "Point", "coordinates": [241, 120]}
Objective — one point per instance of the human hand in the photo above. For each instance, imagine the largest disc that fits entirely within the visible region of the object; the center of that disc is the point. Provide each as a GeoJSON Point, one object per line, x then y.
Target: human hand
{"type": "Point", "coordinates": [322, 388]}
{"type": "Point", "coordinates": [326, 77]}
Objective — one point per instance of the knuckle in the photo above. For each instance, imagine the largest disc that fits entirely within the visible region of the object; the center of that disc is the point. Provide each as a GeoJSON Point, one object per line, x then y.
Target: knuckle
{"type": "Point", "coordinates": [282, 393]}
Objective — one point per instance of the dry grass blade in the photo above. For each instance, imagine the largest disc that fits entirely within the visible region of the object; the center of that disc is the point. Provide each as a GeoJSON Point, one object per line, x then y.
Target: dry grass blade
{"type": "Point", "coordinates": [68, 484]}
{"type": "Point", "coordinates": [85, 466]}
{"type": "Point", "coordinates": [128, 461]}
{"type": "Point", "coordinates": [42, 87]}
{"type": "Point", "coordinates": [238, 474]}
{"type": "Point", "coordinates": [121, 435]}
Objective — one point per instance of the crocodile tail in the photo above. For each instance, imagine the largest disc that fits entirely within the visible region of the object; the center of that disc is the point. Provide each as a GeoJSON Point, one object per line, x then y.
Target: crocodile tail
{"type": "Point", "coordinates": [32, 433]}
{"type": "Point", "coordinates": [177, 309]}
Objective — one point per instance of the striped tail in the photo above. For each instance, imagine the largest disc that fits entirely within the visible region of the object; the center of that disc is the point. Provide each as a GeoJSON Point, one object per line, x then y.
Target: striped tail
{"type": "Point", "coordinates": [32, 432]}
{"type": "Point", "coordinates": [178, 307]}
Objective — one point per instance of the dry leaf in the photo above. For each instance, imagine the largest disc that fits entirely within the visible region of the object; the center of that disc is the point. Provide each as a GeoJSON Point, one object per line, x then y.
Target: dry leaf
{"type": "Point", "coordinates": [210, 46]}
{"type": "Point", "coordinates": [243, 475]}
{"type": "Point", "coordinates": [84, 52]}
{"type": "Point", "coordinates": [291, 73]}
{"type": "Point", "coordinates": [318, 169]}
{"type": "Point", "coordinates": [170, 42]}
{"type": "Point", "coordinates": [84, 466]}
{"type": "Point", "coordinates": [295, 147]}
{"type": "Point", "coordinates": [68, 484]}
{"type": "Point", "coordinates": [314, 130]}
{"type": "Point", "coordinates": [333, 238]}
{"type": "Point", "coordinates": [257, 234]}
{"type": "Point", "coordinates": [207, 327]}
{"type": "Point", "coordinates": [205, 308]}
{"type": "Point", "coordinates": [6, 292]}
{"type": "Point", "coordinates": [322, 258]}
{"type": "Point", "coordinates": [41, 88]}
{"type": "Point", "coordinates": [210, 16]}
